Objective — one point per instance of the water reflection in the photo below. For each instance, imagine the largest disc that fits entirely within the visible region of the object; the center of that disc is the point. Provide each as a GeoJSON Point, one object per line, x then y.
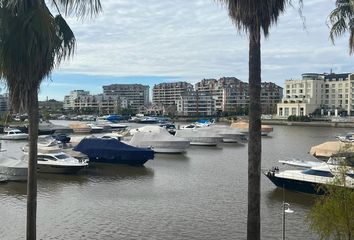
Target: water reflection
{"type": "Point", "coordinates": [280, 195]}
{"type": "Point", "coordinates": [17, 189]}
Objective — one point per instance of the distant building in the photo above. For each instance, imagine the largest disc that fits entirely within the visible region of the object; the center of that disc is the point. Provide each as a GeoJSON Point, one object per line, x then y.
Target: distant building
{"type": "Point", "coordinates": [328, 93]}
{"type": "Point", "coordinates": [271, 95]}
{"type": "Point", "coordinates": [50, 104]}
{"type": "Point", "coordinates": [71, 100]}
{"type": "Point", "coordinates": [168, 93]}
{"type": "Point", "coordinates": [196, 104]}
{"type": "Point", "coordinates": [4, 103]}
{"type": "Point", "coordinates": [136, 95]}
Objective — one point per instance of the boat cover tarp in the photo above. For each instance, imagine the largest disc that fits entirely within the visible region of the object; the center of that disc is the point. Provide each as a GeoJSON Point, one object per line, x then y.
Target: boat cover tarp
{"type": "Point", "coordinates": [332, 148]}
{"type": "Point", "coordinates": [161, 139]}
{"type": "Point", "coordinates": [112, 149]}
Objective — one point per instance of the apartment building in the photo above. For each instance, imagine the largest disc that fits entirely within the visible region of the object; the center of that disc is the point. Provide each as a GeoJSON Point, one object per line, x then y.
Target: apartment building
{"type": "Point", "coordinates": [196, 104]}
{"type": "Point", "coordinates": [271, 95]}
{"type": "Point", "coordinates": [211, 86]}
{"type": "Point", "coordinates": [100, 103]}
{"type": "Point", "coordinates": [4, 103]}
{"type": "Point", "coordinates": [169, 93]}
{"type": "Point", "coordinates": [135, 94]}
{"type": "Point", "coordinates": [328, 93]}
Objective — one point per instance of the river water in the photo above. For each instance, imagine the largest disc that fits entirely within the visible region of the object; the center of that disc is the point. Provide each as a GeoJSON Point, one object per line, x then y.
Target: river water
{"type": "Point", "coordinates": [201, 194]}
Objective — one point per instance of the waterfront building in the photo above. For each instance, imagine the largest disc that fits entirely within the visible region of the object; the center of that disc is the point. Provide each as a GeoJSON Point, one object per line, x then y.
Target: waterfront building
{"type": "Point", "coordinates": [4, 103]}
{"type": "Point", "coordinates": [168, 93]}
{"type": "Point", "coordinates": [325, 93]}
{"type": "Point", "coordinates": [136, 95]}
{"type": "Point", "coordinates": [231, 94]}
{"type": "Point", "coordinates": [81, 100]}
{"type": "Point", "coordinates": [271, 95]}
{"type": "Point", "coordinates": [195, 104]}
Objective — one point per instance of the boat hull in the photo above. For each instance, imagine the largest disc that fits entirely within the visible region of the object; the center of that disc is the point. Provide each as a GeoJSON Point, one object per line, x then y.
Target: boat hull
{"type": "Point", "coordinates": [294, 185]}
{"type": "Point", "coordinates": [13, 174]}
{"type": "Point", "coordinates": [41, 168]}
{"type": "Point", "coordinates": [120, 160]}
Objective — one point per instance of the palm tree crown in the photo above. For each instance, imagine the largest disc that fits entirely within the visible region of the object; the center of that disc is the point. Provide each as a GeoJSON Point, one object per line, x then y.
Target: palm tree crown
{"type": "Point", "coordinates": [341, 19]}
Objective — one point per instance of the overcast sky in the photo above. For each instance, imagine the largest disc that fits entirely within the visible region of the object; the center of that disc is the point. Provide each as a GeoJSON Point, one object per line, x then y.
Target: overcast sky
{"type": "Point", "coordinates": [153, 41]}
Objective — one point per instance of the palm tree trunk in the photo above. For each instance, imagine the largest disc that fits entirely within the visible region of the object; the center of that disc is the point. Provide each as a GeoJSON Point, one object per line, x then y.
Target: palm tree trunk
{"type": "Point", "coordinates": [32, 166]}
{"type": "Point", "coordinates": [254, 145]}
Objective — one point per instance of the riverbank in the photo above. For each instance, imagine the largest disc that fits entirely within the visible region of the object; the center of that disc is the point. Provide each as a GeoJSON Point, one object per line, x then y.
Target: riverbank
{"type": "Point", "coordinates": [310, 124]}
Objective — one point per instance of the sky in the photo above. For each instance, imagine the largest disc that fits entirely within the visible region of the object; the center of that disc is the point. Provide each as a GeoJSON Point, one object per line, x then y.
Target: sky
{"type": "Point", "coordinates": [154, 41]}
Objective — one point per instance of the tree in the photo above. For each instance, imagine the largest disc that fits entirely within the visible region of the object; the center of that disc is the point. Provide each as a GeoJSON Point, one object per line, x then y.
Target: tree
{"type": "Point", "coordinates": [341, 20]}
{"type": "Point", "coordinates": [33, 42]}
{"type": "Point", "coordinates": [254, 17]}
{"type": "Point", "coordinates": [332, 216]}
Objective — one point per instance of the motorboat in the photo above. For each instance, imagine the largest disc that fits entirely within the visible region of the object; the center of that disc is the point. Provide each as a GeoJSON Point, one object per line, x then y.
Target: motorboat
{"type": "Point", "coordinates": [108, 125]}
{"type": "Point", "coordinates": [95, 128]}
{"type": "Point", "coordinates": [14, 134]}
{"type": "Point", "coordinates": [147, 129]}
{"type": "Point", "coordinates": [229, 135]}
{"type": "Point", "coordinates": [310, 179]}
{"type": "Point", "coordinates": [12, 169]}
{"type": "Point", "coordinates": [160, 142]}
{"type": "Point", "coordinates": [111, 150]}
{"type": "Point", "coordinates": [243, 127]}
{"type": "Point", "coordinates": [300, 163]}
{"type": "Point", "coordinates": [349, 137]}
{"type": "Point", "coordinates": [170, 127]}
{"type": "Point", "coordinates": [80, 128]}
{"type": "Point", "coordinates": [61, 137]}
{"type": "Point", "coordinates": [332, 149]}
{"type": "Point", "coordinates": [201, 138]}
{"type": "Point", "coordinates": [148, 120]}
{"type": "Point", "coordinates": [58, 162]}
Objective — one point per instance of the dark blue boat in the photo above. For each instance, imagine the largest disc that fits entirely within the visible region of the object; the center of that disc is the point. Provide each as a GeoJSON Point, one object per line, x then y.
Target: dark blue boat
{"type": "Point", "coordinates": [113, 151]}
{"type": "Point", "coordinates": [62, 137]}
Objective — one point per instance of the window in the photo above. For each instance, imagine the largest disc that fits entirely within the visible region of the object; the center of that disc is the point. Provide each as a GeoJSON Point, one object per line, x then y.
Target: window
{"type": "Point", "coordinates": [286, 110]}
{"type": "Point", "coordinates": [293, 111]}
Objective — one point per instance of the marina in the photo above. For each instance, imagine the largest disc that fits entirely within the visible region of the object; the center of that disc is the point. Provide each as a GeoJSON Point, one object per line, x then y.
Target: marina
{"type": "Point", "coordinates": [199, 194]}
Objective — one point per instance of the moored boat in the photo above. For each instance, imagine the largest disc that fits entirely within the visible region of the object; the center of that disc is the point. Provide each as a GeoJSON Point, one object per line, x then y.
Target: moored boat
{"type": "Point", "coordinates": [201, 138]}
{"type": "Point", "coordinates": [14, 134]}
{"type": "Point", "coordinates": [80, 128]}
{"type": "Point", "coordinates": [243, 127]}
{"type": "Point", "coordinates": [110, 150]}
{"type": "Point", "coordinates": [159, 142]}
{"type": "Point", "coordinates": [310, 179]}
{"type": "Point", "coordinates": [12, 169]}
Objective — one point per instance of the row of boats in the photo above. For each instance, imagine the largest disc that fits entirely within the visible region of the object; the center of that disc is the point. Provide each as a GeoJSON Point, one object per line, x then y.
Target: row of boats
{"type": "Point", "coordinates": [334, 166]}
{"type": "Point", "coordinates": [135, 146]}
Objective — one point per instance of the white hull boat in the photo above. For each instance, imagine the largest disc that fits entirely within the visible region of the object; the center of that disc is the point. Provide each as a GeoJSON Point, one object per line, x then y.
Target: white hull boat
{"type": "Point", "coordinates": [14, 134]}
{"type": "Point", "coordinates": [159, 141]}
{"type": "Point", "coordinates": [200, 137]}
{"type": "Point", "coordinates": [12, 169]}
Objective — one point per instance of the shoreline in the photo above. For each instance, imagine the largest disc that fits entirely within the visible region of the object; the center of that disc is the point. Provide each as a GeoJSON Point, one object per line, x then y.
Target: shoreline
{"type": "Point", "coordinates": [310, 124]}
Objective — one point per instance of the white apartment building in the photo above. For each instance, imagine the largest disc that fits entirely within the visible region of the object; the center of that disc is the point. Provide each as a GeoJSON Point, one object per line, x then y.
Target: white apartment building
{"type": "Point", "coordinates": [195, 104]}
{"type": "Point", "coordinates": [327, 93]}
{"type": "Point", "coordinates": [135, 94]}
{"type": "Point", "coordinates": [102, 104]}
{"type": "Point", "coordinates": [169, 93]}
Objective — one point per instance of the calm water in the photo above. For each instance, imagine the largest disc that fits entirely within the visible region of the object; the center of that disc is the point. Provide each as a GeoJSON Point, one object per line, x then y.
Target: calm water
{"type": "Point", "coordinates": [201, 194]}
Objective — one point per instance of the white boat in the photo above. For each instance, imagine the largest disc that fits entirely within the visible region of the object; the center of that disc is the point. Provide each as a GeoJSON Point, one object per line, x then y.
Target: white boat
{"type": "Point", "coordinates": [59, 162]}
{"type": "Point", "coordinates": [349, 137]}
{"type": "Point", "coordinates": [310, 179]}
{"type": "Point", "coordinates": [12, 169]}
{"type": "Point", "coordinates": [159, 142]}
{"type": "Point", "coordinates": [95, 128]}
{"type": "Point", "coordinates": [108, 125]}
{"type": "Point", "coordinates": [243, 127]}
{"type": "Point", "coordinates": [80, 128]}
{"type": "Point", "coordinates": [228, 134]}
{"type": "Point", "coordinates": [14, 134]}
{"type": "Point", "coordinates": [300, 163]}
{"type": "Point", "coordinates": [201, 138]}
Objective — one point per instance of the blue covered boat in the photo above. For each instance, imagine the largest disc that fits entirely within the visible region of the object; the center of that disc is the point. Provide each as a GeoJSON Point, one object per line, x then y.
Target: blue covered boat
{"type": "Point", "coordinates": [111, 150]}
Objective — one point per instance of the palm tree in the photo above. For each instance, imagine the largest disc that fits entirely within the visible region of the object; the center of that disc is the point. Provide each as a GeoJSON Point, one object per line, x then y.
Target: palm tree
{"type": "Point", "coordinates": [254, 17]}
{"type": "Point", "coordinates": [33, 42]}
{"type": "Point", "coordinates": [341, 19]}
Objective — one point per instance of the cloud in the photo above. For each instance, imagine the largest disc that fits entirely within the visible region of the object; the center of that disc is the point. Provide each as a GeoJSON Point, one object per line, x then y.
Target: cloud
{"type": "Point", "coordinates": [196, 39]}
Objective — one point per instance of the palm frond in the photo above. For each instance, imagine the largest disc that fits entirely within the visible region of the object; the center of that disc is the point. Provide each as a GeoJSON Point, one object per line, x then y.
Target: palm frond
{"type": "Point", "coordinates": [247, 14]}
{"type": "Point", "coordinates": [80, 8]}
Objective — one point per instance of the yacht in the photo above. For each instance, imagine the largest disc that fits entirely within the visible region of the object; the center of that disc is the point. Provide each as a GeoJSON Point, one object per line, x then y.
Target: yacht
{"type": "Point", "coordinates": [160, 142]}
{"type": "Point", "coordinates": [198, 137]}
{"type": "Point", "coordinates": [14, 134]}
{"type": "Point", "coordinates": [349, 137]}
{"type": "Point", "coordinates": [229, 135]}
{"type": "Point", "coordinates": [309, 179]}
{"type": "Point", "coordinates": [59, 162]}
{"type": "Point", "coordinates": [12, 169]}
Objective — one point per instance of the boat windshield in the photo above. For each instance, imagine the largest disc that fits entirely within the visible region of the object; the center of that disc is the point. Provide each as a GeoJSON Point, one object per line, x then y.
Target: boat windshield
{"type": "Point", "coordinates": [61, 156]}
{"type": "Point", "coordinates": [318, 173]}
